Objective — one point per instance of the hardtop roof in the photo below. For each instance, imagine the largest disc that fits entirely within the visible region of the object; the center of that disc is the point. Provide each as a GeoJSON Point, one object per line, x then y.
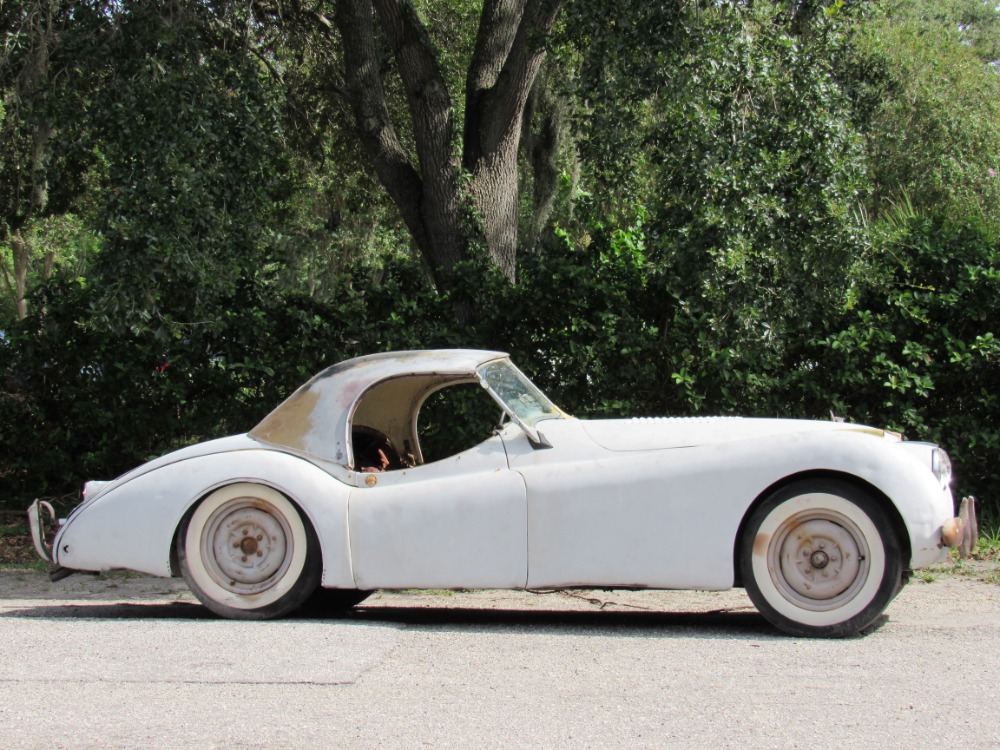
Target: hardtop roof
{"type": "Point", "coordinates": [315, 420]}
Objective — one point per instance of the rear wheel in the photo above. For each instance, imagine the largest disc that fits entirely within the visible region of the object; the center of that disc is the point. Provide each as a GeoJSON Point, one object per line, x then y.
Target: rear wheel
{"type": "Point", "coordinates": [248, 553]}
{"type": "Point", "coordinates": [820, 559]}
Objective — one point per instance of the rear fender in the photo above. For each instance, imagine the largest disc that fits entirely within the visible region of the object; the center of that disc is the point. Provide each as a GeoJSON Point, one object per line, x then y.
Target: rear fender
{"type": "Point", "coordinates": [132, 526]}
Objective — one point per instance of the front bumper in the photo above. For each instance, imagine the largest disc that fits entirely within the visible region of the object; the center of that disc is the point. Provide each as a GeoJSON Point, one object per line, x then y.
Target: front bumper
{"type": "Point", "coordinates": [970, 526]}
{"type": "Point", "coordinates": [962, 531]}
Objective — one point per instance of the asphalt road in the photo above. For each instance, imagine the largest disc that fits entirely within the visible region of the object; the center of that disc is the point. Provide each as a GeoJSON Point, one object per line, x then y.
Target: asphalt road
{"type": "Point", "coordinates": [134, 662]}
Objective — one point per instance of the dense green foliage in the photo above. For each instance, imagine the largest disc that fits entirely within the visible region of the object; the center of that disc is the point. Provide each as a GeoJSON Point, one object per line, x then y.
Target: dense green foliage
{"type": "Point", "coordinates": [917, 352]}
{"type": "Point", "coordinates": [755, 211]}
{"type": "Point", "coordinates": [937, 138]}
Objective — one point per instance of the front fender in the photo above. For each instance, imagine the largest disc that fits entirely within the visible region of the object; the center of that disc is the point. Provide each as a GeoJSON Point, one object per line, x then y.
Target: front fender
{"type": "Point", "coordinates": [899, 470]}
{"type": "Point", "coordinates": [132, 526]}
{"type": "Point", "coordinates": [924, 504]}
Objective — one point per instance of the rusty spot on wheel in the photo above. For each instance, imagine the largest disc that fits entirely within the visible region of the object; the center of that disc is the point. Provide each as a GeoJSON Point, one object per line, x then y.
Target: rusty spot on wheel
{"type": "Point", "coordinates": [760, 544]}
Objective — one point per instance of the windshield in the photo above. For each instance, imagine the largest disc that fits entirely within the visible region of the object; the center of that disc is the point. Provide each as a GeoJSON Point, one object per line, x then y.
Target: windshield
{"type": "Point", "coordinates": [516, 393]}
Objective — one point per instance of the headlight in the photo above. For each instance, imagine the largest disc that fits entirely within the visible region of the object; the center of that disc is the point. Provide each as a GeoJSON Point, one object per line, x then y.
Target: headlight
{"type": "Point", "coordinates": [941, 466]}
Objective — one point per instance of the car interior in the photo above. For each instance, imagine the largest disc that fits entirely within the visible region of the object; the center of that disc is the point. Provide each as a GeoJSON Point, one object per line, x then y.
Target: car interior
{"type": "Point", "coordinates": [409, 421]}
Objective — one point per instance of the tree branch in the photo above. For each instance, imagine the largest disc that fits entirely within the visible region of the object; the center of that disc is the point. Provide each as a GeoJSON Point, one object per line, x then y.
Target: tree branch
{"type": "Point", "coordinates": [426, 92]}
{"type": "Point", "coordinates": [355, 22]}
{"type": "Point", "coordinates": [498, 26]}
{"type": "Point", "coordinates": [495, 95]}
{"type": "Point", "coordinates": [433, 126]}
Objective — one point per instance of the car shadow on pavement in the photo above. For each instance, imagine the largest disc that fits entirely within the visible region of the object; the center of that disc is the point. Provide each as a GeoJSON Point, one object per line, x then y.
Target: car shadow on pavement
{"type": "Point", "coordinates": [114, 611]}
{"type": "Point", "coordinates": [444, 619]}
{"type": "Point", "coordinates": [728, 623]}
{"type": "Point", "coordinates": [711, 623]}
{"type": "Point", "coordinates": [594, 622]}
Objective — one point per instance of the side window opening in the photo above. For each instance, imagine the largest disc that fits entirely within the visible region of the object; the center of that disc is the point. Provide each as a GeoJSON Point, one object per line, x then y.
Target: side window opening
{"type": "Point", "coordinates": [455, 419]}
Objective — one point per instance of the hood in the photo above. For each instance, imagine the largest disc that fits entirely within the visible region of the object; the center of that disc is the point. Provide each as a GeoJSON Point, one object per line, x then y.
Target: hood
{"type": "Point", "coordinates": [684, 432]}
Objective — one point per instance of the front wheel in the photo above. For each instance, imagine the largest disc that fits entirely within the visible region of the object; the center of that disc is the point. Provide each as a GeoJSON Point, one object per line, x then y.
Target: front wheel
{"type": "Point", "coordinates": [248, 553]}
{"type": "Point", "coordinates": [820, 559]}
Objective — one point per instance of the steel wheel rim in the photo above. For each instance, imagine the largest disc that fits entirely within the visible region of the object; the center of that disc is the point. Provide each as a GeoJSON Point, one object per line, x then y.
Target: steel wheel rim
{"type": "Point", "coordinates": [247, 546]}
{"type": "Point", "coordinates": [819, 559]}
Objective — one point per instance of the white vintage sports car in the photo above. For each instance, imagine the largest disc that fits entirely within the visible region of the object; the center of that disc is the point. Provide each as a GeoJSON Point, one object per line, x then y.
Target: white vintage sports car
{"type": "Point", "coordinates": [333, 493]}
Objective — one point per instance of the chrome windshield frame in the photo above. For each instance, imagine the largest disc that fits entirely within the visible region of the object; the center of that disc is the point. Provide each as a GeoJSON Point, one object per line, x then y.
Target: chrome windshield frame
{"type": "Point", "coordinates": [520, 399]}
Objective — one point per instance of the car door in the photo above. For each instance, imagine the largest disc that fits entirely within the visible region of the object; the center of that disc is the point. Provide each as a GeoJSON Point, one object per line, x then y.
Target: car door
{"type": "Point", "coordinates": [659, 519]}
{"type": "Point", "coordinates": [460, 522]}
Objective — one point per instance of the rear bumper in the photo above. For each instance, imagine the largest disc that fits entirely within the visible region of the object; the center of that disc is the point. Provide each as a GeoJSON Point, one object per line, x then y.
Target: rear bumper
{"type": "Point", "coordinates": [36, 522]}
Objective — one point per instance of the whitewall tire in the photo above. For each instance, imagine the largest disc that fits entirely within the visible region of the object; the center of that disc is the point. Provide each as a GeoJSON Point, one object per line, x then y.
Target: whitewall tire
{"type": "Point", "coordinates": [820, 558]}
{"type": "Point", "coordinates": [247, 552]}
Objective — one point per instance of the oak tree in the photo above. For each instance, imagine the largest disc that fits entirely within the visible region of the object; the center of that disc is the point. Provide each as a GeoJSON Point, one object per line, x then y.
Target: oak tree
{"type": "Point", "coordinates": [450, 180]}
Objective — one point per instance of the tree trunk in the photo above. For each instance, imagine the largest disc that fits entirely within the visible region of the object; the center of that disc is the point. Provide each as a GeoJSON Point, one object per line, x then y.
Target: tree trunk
{"type": "Point", "coordinates": [49, 265]}
{"type": "Point", "coordinates": [428, 200]}
{"type": "Point", "coordinates": [508, 53]}
{"type": "Point", "coordinates": [543, 135]}
{"type": "Point", "coordinates": [20, 251]}
{"type": "Point", "coordinates": [31, 191]}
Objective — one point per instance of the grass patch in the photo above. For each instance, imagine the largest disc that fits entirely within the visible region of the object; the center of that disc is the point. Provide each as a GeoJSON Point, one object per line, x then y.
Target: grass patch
{"type": "Point", "coordinates": [17, 551]}
{"type": "Point", "coordinates": [987, 571]}
{"type": "Point", "coordinates": [38, 565]}
{"type": "Point", "coordinates": [14, 529]}
{"type": "Point", "coordinates": [982, 565]}
{"type": "Point", "coordinates": [427, 592]}
{"type": "Point", "coordinates": [970, 570]}
{"type": "Point", "coordinates": [989, 545]}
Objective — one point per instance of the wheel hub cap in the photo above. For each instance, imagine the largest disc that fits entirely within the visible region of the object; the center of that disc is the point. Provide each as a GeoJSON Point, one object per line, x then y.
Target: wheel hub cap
{"type": "Point", "coordinates": [247, 547]}
{"type": "Point", "coordinates": [819, 559]}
